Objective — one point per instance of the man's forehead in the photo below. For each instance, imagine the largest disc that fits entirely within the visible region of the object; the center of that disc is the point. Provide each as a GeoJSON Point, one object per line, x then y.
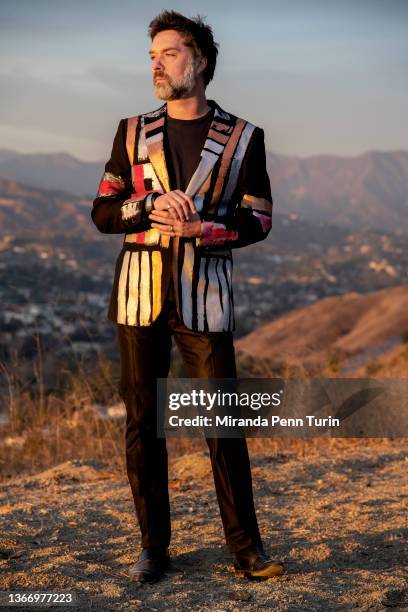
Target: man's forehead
{"type": "Point", "coordinates": [167, 39]}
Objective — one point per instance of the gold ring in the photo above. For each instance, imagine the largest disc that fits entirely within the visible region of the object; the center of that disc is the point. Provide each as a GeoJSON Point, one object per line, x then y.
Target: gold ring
{"type": "Point", "coordinates": [171, 228]}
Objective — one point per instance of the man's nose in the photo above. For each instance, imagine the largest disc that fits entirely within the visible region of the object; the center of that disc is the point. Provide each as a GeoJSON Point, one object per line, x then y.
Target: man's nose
{"type": "Point", "coordinates": [157, 64]}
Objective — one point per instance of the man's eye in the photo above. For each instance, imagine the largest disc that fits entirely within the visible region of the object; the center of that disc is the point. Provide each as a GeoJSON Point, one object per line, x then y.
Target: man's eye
{"type": "Point", "coordinates": [170, 54]}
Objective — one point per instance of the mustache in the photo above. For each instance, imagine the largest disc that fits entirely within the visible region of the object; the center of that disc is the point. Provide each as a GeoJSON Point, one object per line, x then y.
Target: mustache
{"type": "Point", "coordinates": [160, 75]}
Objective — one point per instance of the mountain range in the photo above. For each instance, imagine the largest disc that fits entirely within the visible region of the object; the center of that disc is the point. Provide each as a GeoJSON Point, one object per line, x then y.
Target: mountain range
{"type": "Point", "coordinates": [54, 171]}
{"type": "Point", "coordinates": [366, 191]}
{"type": "Point", "coordinates": [369, 191]}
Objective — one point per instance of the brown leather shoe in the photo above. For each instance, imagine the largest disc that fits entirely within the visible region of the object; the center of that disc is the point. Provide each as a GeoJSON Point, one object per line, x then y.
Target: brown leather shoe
{"type": "Point", "coordinates": [255, 564]}
{"type": "Point", "coordinates": [151, 565]}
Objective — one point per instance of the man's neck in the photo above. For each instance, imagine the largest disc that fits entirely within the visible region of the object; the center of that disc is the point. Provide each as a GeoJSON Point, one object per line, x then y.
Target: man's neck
{"type": "Point", "coordinates": [192, 107]}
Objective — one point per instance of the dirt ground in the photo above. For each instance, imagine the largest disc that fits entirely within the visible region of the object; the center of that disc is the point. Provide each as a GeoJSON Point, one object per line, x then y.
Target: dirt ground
{"type": "Point", "coordinates": [337, 518]}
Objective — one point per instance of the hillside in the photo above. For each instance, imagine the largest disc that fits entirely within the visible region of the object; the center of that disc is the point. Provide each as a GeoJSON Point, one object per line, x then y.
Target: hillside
{"type": "Point", "coordinates": [25, 208]}
{"type": "Point", "coordinates": [342, 328]}
{"type": "Point", "coordinates": [390, 364]}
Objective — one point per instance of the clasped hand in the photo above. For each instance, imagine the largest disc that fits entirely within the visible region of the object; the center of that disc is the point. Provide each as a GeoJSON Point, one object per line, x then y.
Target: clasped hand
{"type": "Point", "coordinates": [175, 214]}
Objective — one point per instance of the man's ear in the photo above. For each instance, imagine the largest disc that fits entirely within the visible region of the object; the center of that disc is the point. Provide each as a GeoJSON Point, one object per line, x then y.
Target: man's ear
{"type": "Point", "coordinates": [202, 64]}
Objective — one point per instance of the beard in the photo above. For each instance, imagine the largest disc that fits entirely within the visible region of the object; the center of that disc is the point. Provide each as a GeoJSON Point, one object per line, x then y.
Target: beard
{"type": "Point", "coordinates": [175, 88]}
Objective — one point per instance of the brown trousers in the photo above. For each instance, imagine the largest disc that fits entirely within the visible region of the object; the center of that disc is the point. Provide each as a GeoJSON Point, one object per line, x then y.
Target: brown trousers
{"type": "Point", "coordinates": [145, 356]}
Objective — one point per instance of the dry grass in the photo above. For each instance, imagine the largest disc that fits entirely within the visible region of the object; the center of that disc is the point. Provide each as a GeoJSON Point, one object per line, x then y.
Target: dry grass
{"type": "Point", "coordinates": [46, 428]}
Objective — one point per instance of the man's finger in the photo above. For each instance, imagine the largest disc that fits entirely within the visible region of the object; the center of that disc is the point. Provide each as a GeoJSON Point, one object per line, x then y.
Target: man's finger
{"type": "Point", "coordinates": [165, 229]}
{"type": "Point", "coordinates": [160, 215]}
{"type": "Point", "coordinates": [169, 222]}
{"type": "Point", "coordinates": [187, 199]}
{"type": "Point", "coordinates": [176, 206]}
{"type": "Point", "coordinates": [171, 205]}
{"type": "Point", "coordinates": [182, 199]}
{"type": "Point", "coordinates": [167, 217]}
{"type": "Point", "coordinates": [175, 213]}
{"type": "Point", "coordinates": [175, 209]}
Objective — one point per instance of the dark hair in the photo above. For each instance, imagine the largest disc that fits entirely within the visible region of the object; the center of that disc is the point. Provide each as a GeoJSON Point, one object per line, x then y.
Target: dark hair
{"type": "Point", "coordinates": [196, 34]}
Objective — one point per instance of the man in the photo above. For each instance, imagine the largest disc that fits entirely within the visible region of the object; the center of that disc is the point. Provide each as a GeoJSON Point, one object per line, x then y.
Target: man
{"type": "Point", "coordinates": [185, 184]}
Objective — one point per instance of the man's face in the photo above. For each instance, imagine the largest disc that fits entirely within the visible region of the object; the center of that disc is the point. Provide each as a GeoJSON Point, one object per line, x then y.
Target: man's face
{"type": "Point", "coordinates": [175, 70]}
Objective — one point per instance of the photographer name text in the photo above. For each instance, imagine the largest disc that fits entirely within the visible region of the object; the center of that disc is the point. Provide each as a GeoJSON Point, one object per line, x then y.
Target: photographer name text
{"type": "Point", "coordinates": [257, 421]}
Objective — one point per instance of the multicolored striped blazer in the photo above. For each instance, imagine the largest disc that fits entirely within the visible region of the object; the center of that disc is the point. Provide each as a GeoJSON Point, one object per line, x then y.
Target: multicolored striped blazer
{"type": "Point", "coordinates": [231, 192]}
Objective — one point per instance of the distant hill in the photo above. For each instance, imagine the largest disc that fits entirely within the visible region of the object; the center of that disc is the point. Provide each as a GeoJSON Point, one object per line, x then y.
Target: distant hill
{"type": "Point", "coordinates": [370, 190]}
{"type": "Point", "coordinates": [58, 171]}
{"type": "Point", "coordinates": [349, 330]}
{"type": "Point", "coordinates": [366, 191]}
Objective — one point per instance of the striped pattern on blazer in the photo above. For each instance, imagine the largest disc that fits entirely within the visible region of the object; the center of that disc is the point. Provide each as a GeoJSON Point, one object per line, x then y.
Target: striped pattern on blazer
{"type": "Point", "coordinates": [231, 191]}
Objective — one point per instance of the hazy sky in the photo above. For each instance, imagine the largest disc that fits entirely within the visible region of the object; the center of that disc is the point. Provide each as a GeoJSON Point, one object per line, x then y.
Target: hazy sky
{"type": "Point", "coordinates": [319, 76]}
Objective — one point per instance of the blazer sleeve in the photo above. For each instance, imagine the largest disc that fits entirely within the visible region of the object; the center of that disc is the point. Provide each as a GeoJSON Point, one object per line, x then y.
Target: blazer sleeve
{"type": "Point", "coordinates": [114, 209]}
{"type": "Point", "coordinates": [251, 219]}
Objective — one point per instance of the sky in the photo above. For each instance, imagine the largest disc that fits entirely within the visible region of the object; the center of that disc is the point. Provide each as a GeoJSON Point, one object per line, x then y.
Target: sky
{"type": "Point", "coordinates": [320, 77]}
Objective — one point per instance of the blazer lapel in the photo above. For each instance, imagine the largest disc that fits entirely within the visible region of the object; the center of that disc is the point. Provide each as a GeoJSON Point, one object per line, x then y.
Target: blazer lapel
{"type": "Point", "coordinates": [153, 126]}
{"type": "Point", "coordinates": [218, 135]}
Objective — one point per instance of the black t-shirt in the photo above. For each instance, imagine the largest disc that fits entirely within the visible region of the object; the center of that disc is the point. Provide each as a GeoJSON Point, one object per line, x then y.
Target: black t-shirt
{"type": "Point", "coordinates": [183, 143]}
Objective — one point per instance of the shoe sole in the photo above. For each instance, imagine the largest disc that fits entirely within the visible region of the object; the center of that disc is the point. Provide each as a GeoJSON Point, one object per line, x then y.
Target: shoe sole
{"type": "Point", "coordinates": [268, 572]}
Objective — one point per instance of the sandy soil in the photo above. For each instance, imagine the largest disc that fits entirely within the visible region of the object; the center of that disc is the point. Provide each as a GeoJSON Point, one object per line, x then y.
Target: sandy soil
{"type": "Point", "coordinates": [337, 518]}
